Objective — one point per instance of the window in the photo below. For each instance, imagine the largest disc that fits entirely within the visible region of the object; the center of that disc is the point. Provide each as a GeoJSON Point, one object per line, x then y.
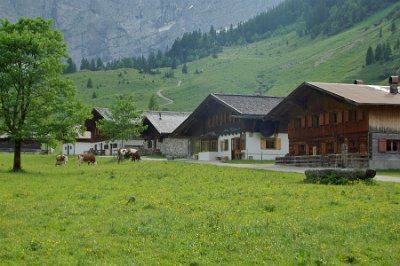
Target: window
{"type": "Point", "coordinates": [105, 146]}
{"type": "Point", "coordinates": [270, 143]}
{"type": "Point", "coordinates": [315, 120]}
{"type": "Point", "coordinates": [352, 115]}
{"type": "Point", "coordinates": [392, 145]}
{"type": "Point", "coordinates": [224, 145]}
{"type": "Point", "coordinates": [115, 145]}
{"type": "Point", "coordinates": [333, 118]}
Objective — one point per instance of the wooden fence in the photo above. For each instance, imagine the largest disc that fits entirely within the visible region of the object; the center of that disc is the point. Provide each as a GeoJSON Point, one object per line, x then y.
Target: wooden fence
{"type": "Point", "coordinates": [351, 160]}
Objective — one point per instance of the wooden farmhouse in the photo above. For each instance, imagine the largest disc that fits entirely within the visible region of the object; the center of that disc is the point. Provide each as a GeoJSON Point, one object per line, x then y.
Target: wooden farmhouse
{"type": "Point", "coordinates": [342, 125]}
{"type": "Point", "coordinates": [157, 135]}
{"type": "Point", "coordinates": [226, 126]}
{"type": "Point", "coordinates": [92, 140]}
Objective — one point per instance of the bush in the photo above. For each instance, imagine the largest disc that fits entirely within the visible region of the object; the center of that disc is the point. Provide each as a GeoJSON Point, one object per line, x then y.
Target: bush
{"type": "Point", "coordinates": [338, 176]}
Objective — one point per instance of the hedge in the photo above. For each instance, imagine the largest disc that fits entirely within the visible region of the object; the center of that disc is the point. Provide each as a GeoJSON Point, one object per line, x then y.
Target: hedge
{"type": "Point", "coordinates": [338, 176]}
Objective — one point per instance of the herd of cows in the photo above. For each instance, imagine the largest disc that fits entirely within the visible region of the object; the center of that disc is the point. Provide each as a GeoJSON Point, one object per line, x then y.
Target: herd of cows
{"type": "Point", "coordinates": [90, 158]}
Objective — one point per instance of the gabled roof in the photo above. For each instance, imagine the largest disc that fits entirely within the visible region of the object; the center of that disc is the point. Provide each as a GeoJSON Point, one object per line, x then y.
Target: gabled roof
{"type": "Point", "coordinates": [245, 106]}
{"type": "Point", "coordinates": [165, 122]}
{"type": "Point", "coordinates": [104, 112]}
{"type": "Point", "coordinates": [248, 104]}
{"type": "Point", "coordinates": [353, 94]}
{"type": "Point", "coordinates": [358, 94]}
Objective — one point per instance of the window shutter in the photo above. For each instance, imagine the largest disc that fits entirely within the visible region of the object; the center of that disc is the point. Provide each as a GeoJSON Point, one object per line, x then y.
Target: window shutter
{"type": "Point", "coordinates": [382, 145]}
{"type": "Point", "coordinates": [339, 117]}
{"type": "Point", "coordinates": [360, 115]}
{"type": "Point", "coordinates": [303, 122]}
{"type": "Point", "coordinates": [346, 116]}
{"type": "Point", "coordinates": [262, 144]}
{"type": "Point", "coordinates": [321, 119]}
{"type": "Point", "coordinates": [309, 121]}
{"type": "Point", "coordinates": [277, 143]}
{"type": "Point", "coordinates": [326, 119]}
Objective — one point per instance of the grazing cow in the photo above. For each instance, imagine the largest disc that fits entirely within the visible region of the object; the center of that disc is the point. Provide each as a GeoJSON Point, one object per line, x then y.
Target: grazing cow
{"type": "Point", "coordinates": [61, 159]}
{"type": "Point", "coordinates": [87, 158]}
{"type": "Point", "coordinates": [126, 153]}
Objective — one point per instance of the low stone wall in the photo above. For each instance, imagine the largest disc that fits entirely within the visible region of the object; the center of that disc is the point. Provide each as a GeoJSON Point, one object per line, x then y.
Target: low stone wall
{"type": "Point", "coordinates": [175, 147]}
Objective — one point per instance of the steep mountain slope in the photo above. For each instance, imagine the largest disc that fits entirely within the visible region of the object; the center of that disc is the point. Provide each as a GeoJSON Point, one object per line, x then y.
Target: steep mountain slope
{"type": "Point", "coordinates": [275, 66]}
{"type": "Point", "coordinates": [111, 29]}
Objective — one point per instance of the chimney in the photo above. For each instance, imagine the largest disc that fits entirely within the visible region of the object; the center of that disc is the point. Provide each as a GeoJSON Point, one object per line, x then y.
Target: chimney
{"type": "Point", "coordinates": [159, 114]}
{"type": "Point", "coordinates": [359, 82]}
{"type": "Point", "coordinates": [393, 81]}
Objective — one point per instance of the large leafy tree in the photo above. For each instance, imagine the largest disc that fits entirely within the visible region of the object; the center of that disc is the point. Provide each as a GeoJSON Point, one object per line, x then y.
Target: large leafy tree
{"type": "Point", "coordinates": [125, 121]}
{"type": "Point", "coordinates": [36, 104]}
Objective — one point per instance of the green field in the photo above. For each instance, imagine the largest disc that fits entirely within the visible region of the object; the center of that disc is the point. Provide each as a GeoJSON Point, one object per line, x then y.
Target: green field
{"type": "Point", "coordinates": [278, 65]}
{"type": "Point", "coordinates": [189, 214]}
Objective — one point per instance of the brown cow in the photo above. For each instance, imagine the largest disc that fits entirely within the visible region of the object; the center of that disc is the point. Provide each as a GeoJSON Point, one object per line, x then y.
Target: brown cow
{"type": "Point", "coordinates": [87, 158]}
{"type": "Point", "coordinates": [126, 153]}
{"type": "Point", "coordinates": [61, 159]}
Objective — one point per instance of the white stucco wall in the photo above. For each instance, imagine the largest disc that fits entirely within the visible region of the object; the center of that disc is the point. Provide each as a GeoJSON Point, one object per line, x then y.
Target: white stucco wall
{"type": "Point", "coordinates": [208, 156]}
{"type": "Point", "coordinates": [80, 147]}
{"type": "Point", "coordinates": [254, 151]}
{"type": "Point", "coordinates": [253, 147]}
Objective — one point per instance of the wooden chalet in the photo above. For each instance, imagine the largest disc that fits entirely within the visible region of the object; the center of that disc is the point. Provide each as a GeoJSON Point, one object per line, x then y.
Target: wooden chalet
{"type": "Point", "coordinates": [228, 126]}
{"type": "Point", "coordinates": [92, 140]}
{"type": "Point", "coordinates": [160, 125]}
{"type": "Point", "coordinates": [341, 125]}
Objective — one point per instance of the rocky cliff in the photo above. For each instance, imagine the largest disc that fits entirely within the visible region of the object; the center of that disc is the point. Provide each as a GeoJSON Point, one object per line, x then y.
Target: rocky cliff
{"type": "Point", "coordinates": [121, 28]}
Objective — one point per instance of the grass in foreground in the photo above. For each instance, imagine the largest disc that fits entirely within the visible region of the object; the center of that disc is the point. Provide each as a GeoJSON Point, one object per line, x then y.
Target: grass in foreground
{"type": "Point", "coordinates": [189, 214]}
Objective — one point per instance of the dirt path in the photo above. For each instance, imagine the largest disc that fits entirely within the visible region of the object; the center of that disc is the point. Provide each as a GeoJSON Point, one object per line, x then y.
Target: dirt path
{"type": "Point", "coordinates": [168, 100]}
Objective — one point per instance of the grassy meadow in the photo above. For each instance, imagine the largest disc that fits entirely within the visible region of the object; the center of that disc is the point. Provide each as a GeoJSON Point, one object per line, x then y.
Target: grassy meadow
{"type": "Point", "coordinates": [277, 65]}
{"type": "Point", "coordinates": [189, 214]}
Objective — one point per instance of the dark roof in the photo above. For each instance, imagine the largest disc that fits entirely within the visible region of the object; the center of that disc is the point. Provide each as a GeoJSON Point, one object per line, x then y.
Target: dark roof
{"type": "Point", "coordinates": [104, 112]}
{"type": "Point", "coordinates": [248, 104]}
{"type": "Point", "coordinates": [165, 122]}
{"type": "Point", "coordinates": [244, 106]}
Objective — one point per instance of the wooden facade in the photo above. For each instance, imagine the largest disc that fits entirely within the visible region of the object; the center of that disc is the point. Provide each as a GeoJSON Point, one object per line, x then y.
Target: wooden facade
{"type": "Point", "coordinates": [327, 119]}
{"type": "Point", "coordinates": [229, 126]}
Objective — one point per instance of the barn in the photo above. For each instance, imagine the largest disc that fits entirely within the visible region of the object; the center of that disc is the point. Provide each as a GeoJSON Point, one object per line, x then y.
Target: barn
{"type": "Point", "coordinates": [157, 135]}
{"type": "Point", "coordinates": [341, 125]}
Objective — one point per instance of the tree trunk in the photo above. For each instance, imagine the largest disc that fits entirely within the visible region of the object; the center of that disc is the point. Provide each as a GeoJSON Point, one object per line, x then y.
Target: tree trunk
{"type": "Point", "coordinates": [17, 156]}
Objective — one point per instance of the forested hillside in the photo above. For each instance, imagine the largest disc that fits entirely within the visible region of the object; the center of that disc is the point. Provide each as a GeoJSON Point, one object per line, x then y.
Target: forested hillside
{"type": "Point", "coordinates": [309, 17]}
{"type": "Point", "coordinates": [274, 65]}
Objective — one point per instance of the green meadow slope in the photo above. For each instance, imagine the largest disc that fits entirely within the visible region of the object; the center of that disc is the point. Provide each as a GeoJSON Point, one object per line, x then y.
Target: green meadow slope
{"type": "Point", "coordinates": [274, 66]}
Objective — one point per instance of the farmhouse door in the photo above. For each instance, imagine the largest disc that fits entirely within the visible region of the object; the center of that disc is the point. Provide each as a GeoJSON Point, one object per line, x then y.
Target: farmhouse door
{"type": "Point", "coordinates": [235, 148]}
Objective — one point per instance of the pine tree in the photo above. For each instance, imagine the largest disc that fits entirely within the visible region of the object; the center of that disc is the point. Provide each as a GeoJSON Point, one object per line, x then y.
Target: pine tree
{"type": "Point", "coordinates": [92, 65]}
{"type": "Point", "coordinates": [184, 69]}
{"type": "Point", "coordinates": [94, 95]}
{"type": "Point", "coordinates": [71, 67]}
{"type": "Point", "coordinates": [378, 52]}
{"type": "Point", "coordinates": [369, 59]}
{"type": "Point", "coordinates": [89, 83]}
{"type": "Point", "coordinates": [393, 27]}
{"type": "Point", "coordinates": [99, 64]}
{"type": "Point", "coordinates": [387, 53]}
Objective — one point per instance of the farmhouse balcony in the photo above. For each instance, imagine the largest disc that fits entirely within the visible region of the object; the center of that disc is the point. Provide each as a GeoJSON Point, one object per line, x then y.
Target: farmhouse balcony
{"type": "Point", "coordinates": [351, 160]}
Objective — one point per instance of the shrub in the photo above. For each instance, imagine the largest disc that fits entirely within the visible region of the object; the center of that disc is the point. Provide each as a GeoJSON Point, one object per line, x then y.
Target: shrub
{"type": "Point", "coordinates": [338, 176]}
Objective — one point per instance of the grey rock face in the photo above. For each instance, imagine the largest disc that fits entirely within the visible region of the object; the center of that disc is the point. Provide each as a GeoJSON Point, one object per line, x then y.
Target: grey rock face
{"type": "Point", "coordinates": [121, 28]}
